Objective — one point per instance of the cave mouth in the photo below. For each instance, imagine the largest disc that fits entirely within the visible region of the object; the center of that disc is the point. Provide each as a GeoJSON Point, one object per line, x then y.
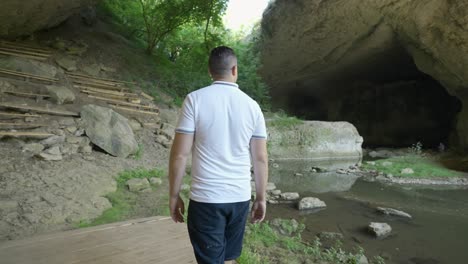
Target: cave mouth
{"type": "Point", "coordinates": [387, 98]}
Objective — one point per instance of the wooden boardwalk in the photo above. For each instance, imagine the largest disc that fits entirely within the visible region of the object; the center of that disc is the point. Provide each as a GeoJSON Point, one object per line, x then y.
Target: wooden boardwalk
{"type": "Point", "coordinates": [148, 240]}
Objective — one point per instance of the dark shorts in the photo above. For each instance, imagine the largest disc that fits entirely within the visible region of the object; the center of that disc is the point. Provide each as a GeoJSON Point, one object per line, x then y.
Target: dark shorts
{"type": "Point", "coordinates": [217, 230]}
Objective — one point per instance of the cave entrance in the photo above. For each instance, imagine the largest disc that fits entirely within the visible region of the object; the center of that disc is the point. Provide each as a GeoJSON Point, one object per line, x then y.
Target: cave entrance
{"type": "Point", "coordinates": [386, 97]}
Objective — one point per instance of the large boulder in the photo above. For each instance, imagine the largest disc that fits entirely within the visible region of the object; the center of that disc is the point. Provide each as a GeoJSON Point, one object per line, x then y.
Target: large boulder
{"type": "Point", "coordinates": [393, 65]}
{"type": "Point", "coordinates": [314, 140]}
{"type": "Point", "coordinates": [109, 130]}
{"type": "Point", "coordinates": [60, 94]}
{"type": "Point", "coordinates": [19, 18]}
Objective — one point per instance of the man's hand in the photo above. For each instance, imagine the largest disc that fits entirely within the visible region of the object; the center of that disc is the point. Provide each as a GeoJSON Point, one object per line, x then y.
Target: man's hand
{"type": "Point", "coordinates": [177, 209]}
{"type": "Point", "coordinates": [258, 211]}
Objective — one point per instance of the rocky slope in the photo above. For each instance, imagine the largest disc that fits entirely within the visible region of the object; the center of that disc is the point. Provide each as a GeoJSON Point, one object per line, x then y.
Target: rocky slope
{"type": "Point", "coordinates": [315, 51]}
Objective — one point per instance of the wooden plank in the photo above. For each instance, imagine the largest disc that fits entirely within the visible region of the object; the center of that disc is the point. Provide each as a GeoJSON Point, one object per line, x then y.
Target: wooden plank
{"type": "Point", "coordinates": [91, 80]}
{"type": "Point", "coordinates": [27, 94]}
{"type": "Point", "coordinates": [119, 102]}
{"type": "Point", "coordinates": [101, 86]}
{"type": "Point", "coordinates": [133, 110]}
{"type": "Point", "coordinates": [22, 55]}
{"type": "Point", "coordinates": [27, 75]}
{"type": "Point", "coordinates": [18, 51]}
{"type": "Point", "coordinates": [147, 96]}
{"type": "Point", "coordinates": [20, 125]}
{"type": "Point", "coordinates": [7, 114]}
{"type": "Point", "coordinates": [116, 93]}
{"type": "Point", "coordinates": [38, 109]}
{"type": "Point", "coordinates": [25, 134]}
{"type": "Point", "coordinates": [74, 74]}
{"type": "Point", "coordinates": [24, 46]}
{"type": "Point", "coordinates": [153, 240]}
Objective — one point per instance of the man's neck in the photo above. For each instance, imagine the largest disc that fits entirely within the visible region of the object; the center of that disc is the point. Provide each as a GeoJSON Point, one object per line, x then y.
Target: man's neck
{"type": "Point", "coordinates": [231, 80]}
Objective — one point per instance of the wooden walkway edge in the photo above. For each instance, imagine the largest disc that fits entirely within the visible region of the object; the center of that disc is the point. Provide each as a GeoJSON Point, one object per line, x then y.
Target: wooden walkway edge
{"type": "Point", "coordinates": [147, 240]}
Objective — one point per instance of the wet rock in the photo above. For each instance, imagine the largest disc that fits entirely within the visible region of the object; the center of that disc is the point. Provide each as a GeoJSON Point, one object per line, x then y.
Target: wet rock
{"type": "Point", "coordinates": [391, 211]}
{"type": "Point", "coordinates": [155, 181]}
{"type": "Point", "coordinates": [60, 94]}
{"type": "Point", "coordinates": [380, 230]}
{"type": "Point", "coordinates": [407, 171]}
{"type": "Point", "coordinates": [276, 192]}
{"type": "Point", "coordinates": [387, 163]}
{"type": "Point", "coordinates": [285, 227]}
{"type": "Point", "coordinates": [290, 196]}
{"type": "Point", "coordinates": [136, 185]}
{"type": "Point", "coordinates": [34, 148]}
{"type": "Point", "coordinates": [109, 130]}
{"type": "Point", "coordinates": [53, 140]}
{"type": "Point", "coordinates": [310, 203]}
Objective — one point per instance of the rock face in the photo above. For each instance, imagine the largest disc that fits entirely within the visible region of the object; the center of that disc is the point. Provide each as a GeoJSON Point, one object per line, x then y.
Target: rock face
{"type": "Point", "coordinates": [315, 140]}
{"type": "Point", "coordinates": [19, 18]}
{"type": "Point", "coordinates": [109, 130]}
{"type": "Point", "coordinates": [396, 69]}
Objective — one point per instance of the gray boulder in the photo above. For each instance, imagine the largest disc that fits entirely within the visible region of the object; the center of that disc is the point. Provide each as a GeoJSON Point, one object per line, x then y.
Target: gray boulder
{"type": "Point", "coordinates": [156, 181]}
{"type": "Point", "coordinates": [136, 185]}
{"type": "Point", "coordinates": [60, 94]}
{"type": "Point", "coordinates": [310, 203]}
{"type": "Point", "coordinates": [407, 171]}
{"type": "Point", "coordinates": [53, 140]}
{"type": "Point", "coordinates": [34, 148]}
{"type": "Point", "coordinates": [66, 63]}
{"type": "Point", "coordinates": [52, 154]}
{"type": "Point", "coordinates": [289, 196]}
{"type": "Point", "coordinates": [285, 227]}
{"type": "Point", "coordinates": [109, 130]}
{"type": "Point", "coordinates": [380, 230]}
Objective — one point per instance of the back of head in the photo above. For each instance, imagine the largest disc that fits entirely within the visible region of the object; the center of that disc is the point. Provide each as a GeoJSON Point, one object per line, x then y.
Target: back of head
{"type": "Point", "coordinates": [222, 60]}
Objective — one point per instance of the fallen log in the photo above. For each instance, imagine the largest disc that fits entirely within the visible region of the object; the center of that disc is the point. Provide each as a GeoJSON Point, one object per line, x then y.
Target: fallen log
{"type": "Point", "coordinates": [25, 134]}
{"type": "Point", "coordinates": [39, 109]}
{"type": "Point", "coordinates": [133, 110]}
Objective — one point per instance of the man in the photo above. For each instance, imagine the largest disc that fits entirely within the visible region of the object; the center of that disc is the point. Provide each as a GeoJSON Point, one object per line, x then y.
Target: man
{"type": "Point", "coordinates": [226, 129]}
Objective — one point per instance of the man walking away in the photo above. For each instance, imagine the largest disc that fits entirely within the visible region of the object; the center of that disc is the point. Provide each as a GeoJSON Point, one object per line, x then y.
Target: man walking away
{"type": "Point", "coordinates": [223, 129]}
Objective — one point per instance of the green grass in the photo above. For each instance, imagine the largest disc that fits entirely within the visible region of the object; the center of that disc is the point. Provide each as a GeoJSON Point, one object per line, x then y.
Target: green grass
{"type": "Point", "coordinates": [423, 167]}
{"type": "Point", "coordinates": [122, 200]}
{"type": "Point", "coordinates": [281, 120]}
{"type": "Point", "coordinates": [263, 245]}
{"type": "Point", "coordinates": [139, 153]}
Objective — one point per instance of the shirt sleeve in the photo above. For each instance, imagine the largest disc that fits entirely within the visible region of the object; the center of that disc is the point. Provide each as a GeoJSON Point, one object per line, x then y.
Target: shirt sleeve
{"type": "Point", "coordinates": [186, 123]}
{"type": "Point", "coordinates": [260, 128]}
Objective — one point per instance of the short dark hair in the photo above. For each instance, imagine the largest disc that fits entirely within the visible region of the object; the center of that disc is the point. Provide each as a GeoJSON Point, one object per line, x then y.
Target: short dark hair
{"type": "Point", "coordinates": [221, 61]}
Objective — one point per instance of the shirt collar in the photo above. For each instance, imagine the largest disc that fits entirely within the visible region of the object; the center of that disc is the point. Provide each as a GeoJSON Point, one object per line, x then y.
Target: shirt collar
{"type": "Point", "coordinates": [226, 83]}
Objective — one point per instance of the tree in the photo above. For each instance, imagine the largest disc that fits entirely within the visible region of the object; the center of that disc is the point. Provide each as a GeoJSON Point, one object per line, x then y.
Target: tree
{"type": "Point", "coordinates": [161, 17]}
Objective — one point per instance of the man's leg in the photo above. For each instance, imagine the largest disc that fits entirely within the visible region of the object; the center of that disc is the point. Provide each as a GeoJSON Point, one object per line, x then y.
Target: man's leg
{"type": "Point", "coordinates": [235, 228]}
{"type": "Point", "coordinates": [206, 224]}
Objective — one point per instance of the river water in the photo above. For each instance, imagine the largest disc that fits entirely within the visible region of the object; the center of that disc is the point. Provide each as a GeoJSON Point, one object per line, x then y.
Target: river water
{"type": "Point", "coordinates": [438, 232]}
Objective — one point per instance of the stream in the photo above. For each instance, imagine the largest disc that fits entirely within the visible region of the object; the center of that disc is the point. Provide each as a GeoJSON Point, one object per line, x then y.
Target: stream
{"type": "Point", "coordinates": [438, 232]}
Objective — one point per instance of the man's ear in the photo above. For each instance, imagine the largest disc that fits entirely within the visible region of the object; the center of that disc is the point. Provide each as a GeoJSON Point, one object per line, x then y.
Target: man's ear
{"type": "Point", "coordinates": [234, 70]}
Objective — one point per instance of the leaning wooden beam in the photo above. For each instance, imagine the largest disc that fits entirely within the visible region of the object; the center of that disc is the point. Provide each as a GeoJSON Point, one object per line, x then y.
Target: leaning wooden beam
{"type": "Point", "coordinates": [33, 95]}
{"type": "Point", "coordinates": [32, 53]}
{"type": "Point", "coordinates": [147, 96]}
{"type": "Point", "coordinates": [133, 110]}
{"type": "Point", "coordinates": [7, 114]}
{"type": "Point", "coordinates": [25, 134]}
{"type": "Point", "coordinates": [22, 55]}
{"type": "Point", "coordinates": [27, 75]}
{"type": "Point", "coordinates": [117, 93]}
{"type": "Point", "coordinates": [73, 74]}
{"type": "Point", "coordinates": [90, 80]}
{"type": "Point", "coordinates": [101, 86]}
{"type": "Point", "coordinates": [119, 102]}
{"type": "Point", "coordinates": [39, 109]}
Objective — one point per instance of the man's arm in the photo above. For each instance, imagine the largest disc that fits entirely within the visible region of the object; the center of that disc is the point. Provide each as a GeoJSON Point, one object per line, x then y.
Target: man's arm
{"type": "Point", "coordinates": [180, 151]}
{"type": "Point", "coordinates": [258, 150]}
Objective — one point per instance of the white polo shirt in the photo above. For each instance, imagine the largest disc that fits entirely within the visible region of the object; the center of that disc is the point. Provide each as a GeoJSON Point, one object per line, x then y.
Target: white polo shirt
{"type": "Point", "coordinates": [223, 120]}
